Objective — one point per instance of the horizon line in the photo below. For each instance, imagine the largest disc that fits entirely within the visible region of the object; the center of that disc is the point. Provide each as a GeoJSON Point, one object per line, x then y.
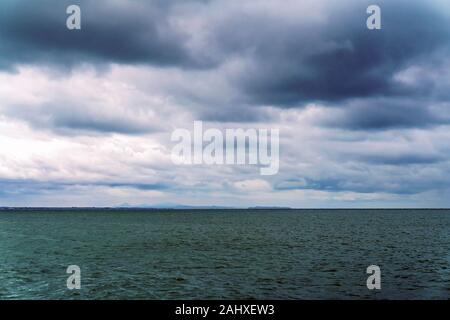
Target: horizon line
{"type": "Point", "coordinates": [182, 207]}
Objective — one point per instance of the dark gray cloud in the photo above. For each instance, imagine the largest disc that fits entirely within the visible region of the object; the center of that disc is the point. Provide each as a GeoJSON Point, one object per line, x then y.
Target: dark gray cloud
{"type": "Point", "coordinates": [87, 124]}
{"type": "Point", "coordinates": [382, 114]}
{"type": "Point", "coordinates": [139, 186]}
{"type": "Point", "coordinates": [73, 118]}
{"type": "Point", "coordinates": [402, 159]}
{"type": "Point", "coordinates": [112, 31]}
{"type": "Point", "coordinates": [17, 187]}
{"type": "Point", "coordinates": [398, 183]}
{"type": "Point", "coordinates": [337, 60]}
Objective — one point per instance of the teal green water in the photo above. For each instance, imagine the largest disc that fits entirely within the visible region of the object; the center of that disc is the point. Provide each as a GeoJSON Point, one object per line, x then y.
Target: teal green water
{"type": "Point", "coordinates": [225, 254]}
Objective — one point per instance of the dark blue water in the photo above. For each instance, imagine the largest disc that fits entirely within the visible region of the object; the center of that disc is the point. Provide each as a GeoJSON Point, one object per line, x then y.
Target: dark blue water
{"type": "Point", "coordinates": [230, 254]}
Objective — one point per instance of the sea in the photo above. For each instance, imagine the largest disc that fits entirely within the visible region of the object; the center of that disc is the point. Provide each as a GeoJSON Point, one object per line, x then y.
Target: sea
{"type": "Point", "coordinates": [224, 254]}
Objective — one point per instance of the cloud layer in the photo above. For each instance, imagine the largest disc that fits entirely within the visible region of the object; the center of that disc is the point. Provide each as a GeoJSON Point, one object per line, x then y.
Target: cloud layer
{"type": "Point", "coordinates": [86, 116]}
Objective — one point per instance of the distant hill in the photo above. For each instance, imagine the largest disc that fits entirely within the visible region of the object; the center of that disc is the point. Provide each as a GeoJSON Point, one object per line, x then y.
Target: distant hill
{"type": "Point", "coordinates": [269, 208]}
{"type": "Point", "coordinates": [171, 206]}
{"type": "Point", "coordinates": [187, 207]}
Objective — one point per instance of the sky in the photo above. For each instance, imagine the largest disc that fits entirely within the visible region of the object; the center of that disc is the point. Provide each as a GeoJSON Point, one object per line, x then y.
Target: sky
{"type": "Point", "coordinates": [86, 116]}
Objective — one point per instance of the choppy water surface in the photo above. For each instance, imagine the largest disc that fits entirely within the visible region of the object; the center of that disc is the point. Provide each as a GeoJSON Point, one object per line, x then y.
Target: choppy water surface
{"type": "Point", "coordinates": [230, 254]}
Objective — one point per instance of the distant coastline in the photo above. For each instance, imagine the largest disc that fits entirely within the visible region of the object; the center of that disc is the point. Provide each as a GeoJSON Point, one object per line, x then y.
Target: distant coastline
{"type": "Point", "coordinates": [186, 207]}
{"type": "Point", "coordinates": [178, 207]}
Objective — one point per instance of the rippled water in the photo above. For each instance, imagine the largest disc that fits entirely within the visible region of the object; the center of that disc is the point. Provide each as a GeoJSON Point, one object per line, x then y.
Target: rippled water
{"type": "Point", "coordinates": [231, 254]}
